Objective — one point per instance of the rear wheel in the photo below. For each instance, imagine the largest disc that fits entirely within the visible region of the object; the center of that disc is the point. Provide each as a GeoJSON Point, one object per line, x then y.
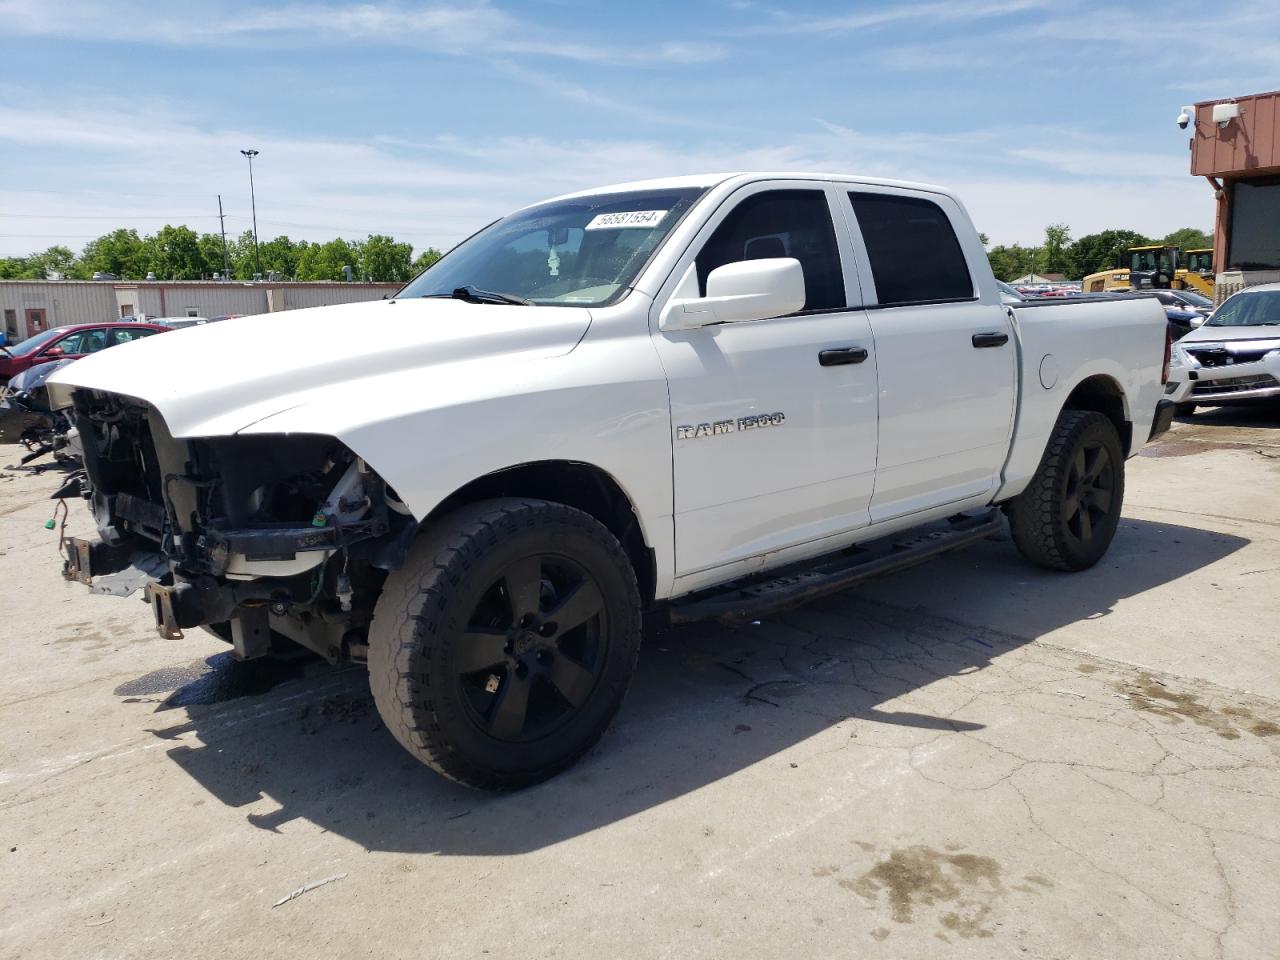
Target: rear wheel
{"type": "Point", "coordinates": [1068, 515]}
{"type": "Point", "coordinates": [501, 650]}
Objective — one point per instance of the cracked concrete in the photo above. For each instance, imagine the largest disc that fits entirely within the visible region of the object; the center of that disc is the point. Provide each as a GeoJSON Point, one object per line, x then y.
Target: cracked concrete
{"type": "Point", "coordinates": [971, 759]}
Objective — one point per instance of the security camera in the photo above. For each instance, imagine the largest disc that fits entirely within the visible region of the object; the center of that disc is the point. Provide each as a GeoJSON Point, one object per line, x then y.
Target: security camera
{"type": "Point", "coordinates": [1185, 117]}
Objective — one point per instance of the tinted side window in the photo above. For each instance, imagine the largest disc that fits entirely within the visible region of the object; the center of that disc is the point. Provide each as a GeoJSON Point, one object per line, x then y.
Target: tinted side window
{"type": "Point", "coordinates": [94, 340]}
{"type": "Point", "coordinates": [914, 253]}
{"type": "Point", "coordinates": [127, 335]}
{"type": "Point", "coordinates": [71, 343]}
{"type": "Point", "coordinates": [781, 223]}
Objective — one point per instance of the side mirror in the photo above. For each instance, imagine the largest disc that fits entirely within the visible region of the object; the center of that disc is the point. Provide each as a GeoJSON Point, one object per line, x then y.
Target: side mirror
{"type": "Point", "coordinates": [54, 352]}
{"type": "Point", "coordinates": [737, 292]}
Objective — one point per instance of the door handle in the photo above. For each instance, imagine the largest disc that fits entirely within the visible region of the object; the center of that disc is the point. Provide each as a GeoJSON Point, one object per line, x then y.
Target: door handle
{"type": "Point", "coordinates": [990, 339]}
{"type": "Point", "coordinates": [841, 355]}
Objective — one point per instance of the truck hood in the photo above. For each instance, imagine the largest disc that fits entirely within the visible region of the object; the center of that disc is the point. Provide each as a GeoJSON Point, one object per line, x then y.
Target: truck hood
{"type": "Point", "coordinates": [1222, 334]}
{"type": "Point", "coordinates": [218, 378]}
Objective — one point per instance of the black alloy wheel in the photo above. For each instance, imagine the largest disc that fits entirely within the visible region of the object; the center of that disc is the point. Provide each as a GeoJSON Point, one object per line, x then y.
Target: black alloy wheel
{"type": "Point", "coordinates": [501, 649]}
{"type": "Point", "coordinates": [1091, 479]}
{"type": "Point", "coordinates": [1068, 514]}
{"type": "Point", "coordinates": [533, 648]}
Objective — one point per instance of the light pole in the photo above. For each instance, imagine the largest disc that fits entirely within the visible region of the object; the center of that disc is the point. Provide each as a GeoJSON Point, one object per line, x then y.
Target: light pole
{"type": "Point", "coordinates": [257, 257]}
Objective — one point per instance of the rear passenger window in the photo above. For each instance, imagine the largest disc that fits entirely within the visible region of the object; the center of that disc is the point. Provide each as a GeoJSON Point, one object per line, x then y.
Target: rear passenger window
{"type": "Point", "coordinates": [781, 223]}
{"type": "Point", "coordinates": [915, 256]}
{"type": "Point", "coordinates": [127, 335]}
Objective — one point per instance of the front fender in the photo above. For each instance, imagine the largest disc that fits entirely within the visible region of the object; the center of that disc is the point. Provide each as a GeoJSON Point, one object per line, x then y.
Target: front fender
{"type": "Point", "coordinates": [604, 404]}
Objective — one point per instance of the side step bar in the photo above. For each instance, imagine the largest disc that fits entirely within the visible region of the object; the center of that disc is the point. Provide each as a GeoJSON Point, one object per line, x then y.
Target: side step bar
{"type": "Point", "coordinates": [749, 598]}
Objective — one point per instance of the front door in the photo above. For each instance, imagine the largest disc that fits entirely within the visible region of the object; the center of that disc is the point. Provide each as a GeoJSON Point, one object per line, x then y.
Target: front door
{"type": "Point", "coordinates": [36, 321]}
{"type": "Point", "coordinates": [773, 445]}
{"type": "Point", "coordinates": [947, 361]}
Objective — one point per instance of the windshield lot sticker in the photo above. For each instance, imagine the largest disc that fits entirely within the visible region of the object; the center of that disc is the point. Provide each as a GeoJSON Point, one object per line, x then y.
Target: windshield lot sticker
{"type": "Point", "coordinates": [629, 218]}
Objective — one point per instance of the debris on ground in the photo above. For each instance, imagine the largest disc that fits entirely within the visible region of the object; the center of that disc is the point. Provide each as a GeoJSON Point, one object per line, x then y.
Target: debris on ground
{"type": "Point", "coordinates": [308, 888]}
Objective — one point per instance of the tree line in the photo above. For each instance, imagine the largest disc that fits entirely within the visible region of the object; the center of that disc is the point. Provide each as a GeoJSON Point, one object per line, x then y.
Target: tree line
{"type": "Point", "coordinates": [179, 253]}
{"type": "Point", "coordinates": [1076, 259]}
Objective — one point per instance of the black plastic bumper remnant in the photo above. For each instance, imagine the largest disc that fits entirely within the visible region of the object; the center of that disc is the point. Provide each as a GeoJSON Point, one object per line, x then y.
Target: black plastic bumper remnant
{"type": "Point", "coordinates": [1163, 419]}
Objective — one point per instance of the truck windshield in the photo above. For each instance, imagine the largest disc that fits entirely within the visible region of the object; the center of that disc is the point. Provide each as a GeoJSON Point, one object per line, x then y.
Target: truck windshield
{"type": "Point", "coordinates": [1260, 309]}
{"type": "Point", "coordinates": [580, 252]}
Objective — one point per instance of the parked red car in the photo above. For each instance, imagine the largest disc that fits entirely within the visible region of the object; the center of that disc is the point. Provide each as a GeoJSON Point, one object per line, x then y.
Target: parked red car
{"type": "Point", "coordinates": [74, 341]}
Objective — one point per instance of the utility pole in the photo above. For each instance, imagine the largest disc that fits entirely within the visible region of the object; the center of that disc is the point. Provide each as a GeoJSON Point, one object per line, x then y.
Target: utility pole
{"type": "Point", "coordinates": [222, 222]}
{"type": "Point", "coordinates": [257, 257]}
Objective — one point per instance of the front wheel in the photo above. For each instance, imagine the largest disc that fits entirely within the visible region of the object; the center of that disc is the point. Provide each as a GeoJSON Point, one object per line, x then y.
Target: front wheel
{"type": "Point", "coordinates": [1185, 409]}
{"type": "Point", "coordinates": [500, 651]}
{"type": "Point", "coordinates": [1068, 515]}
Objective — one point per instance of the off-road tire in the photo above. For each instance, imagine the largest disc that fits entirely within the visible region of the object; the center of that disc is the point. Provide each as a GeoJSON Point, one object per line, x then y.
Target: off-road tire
{"type": "Point", "coordinates": [1038, 517]}
{"type": "Point", "coordinates": [1184, 409]}
{"type": "Point", "coordinates": [426, 606]}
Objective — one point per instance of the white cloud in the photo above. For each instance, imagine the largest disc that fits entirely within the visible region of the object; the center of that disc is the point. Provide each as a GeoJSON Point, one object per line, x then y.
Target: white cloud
{"type": "Point", "coordinates": [945, 11]}
{"type": "Point", "coordinates": [474, 29]}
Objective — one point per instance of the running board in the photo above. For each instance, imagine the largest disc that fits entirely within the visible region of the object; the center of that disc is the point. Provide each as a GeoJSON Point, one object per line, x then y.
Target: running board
{"type": "Point", "coordinates": [748, 598]}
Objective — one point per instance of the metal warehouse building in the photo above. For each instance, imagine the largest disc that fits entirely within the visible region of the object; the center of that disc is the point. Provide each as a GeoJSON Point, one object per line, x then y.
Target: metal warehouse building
{"type": "Point", "coordinates": [30, 306]}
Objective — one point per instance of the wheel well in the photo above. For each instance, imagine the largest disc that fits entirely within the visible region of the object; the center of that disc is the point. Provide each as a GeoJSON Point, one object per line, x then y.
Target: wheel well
{"type": "Point", "coordinates": [1103, 395]}
{"type": "Point", "coordinates": [577, 485]}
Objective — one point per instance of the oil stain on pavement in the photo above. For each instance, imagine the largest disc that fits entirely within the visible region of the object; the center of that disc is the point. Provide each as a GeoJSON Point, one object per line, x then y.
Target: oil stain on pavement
{"type": "Point", "coordinates": [915, 876]}
{"type": "Point", "coordinates": [1152, 695]}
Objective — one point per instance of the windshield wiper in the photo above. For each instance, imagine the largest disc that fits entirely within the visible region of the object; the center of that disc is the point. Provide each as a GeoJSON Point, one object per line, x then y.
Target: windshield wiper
{"type": "Point", "coordinates": [473, 294]}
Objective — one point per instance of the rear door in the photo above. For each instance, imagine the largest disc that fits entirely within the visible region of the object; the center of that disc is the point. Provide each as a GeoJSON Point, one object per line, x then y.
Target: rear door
{"type": "Point", "coordinates": [773, 421]}
{"type": "Point", "coordinates": [946, 360]}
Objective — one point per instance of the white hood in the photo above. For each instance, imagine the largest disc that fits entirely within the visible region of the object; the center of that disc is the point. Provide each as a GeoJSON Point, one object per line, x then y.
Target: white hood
{"type": "Point", "coordinates": [219, 378]}
{"type": "Point", "coordinates": [1222, 334]}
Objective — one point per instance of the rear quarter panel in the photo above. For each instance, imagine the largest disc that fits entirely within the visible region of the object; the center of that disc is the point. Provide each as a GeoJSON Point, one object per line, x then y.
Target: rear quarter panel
{"type": "Point", "coordinates": [1063, 344]}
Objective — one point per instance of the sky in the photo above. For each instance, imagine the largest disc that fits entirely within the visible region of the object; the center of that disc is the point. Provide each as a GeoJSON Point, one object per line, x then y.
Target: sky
{"type": "Point", "coordinates": [427, 120]}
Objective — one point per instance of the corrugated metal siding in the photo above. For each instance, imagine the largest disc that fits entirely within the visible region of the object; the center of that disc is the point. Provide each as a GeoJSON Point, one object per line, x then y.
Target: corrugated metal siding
{"type": "Point", "coordinates": [297, 296]}
{"type": "Point", "coordinates": [82, 301]}
{"type": "Point", "coordinates": [1249, 144]}
{"type": "Point", "coordinates": [63, 303]}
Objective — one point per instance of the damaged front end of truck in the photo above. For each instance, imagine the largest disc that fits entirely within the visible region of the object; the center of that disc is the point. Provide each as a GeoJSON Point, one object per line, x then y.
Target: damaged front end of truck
{"type": "Point", "coordinates": [261, 539]}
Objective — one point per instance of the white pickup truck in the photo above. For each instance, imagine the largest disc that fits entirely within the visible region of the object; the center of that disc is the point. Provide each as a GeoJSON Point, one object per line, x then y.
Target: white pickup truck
{"type": "Point", "coordinates": [710, 396]}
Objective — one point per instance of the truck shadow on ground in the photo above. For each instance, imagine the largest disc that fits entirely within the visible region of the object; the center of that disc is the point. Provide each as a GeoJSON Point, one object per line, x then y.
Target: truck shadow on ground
{"type": "Point", "coordinates": [707, 701]}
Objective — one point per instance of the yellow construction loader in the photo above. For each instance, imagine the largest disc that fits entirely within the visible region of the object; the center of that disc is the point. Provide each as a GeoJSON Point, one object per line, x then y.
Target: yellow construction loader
{"type": "Point", "coordinates": [1156, 266]}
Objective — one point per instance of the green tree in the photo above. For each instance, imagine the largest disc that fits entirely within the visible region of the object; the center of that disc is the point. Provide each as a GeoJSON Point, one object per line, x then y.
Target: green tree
{"type": "Point", "coordinates": [1014, 260]}
{"type": "Point", "coordinates": [425, 259]}
{"type": "Point", "coordinates": [324, 261]}
{"type": "Point", "coordinates": [1098, 251]}
{"type": "Point", "coordinates": [211, 254]}
{"type": "Point", "coordinates": [37, 266]}
{"type": "Point", "coordinates": [384, 260]}
{"type": "Point", "coordinates": [12, 268]}
{"type": "Point", "coordinates": [174, 254]}
{"type": "Point", "coordinates": [280, 255]}
{"type": "Point", "coordinates": [1056, 253]}
{"type": "Point", "coordinates": [120, 252]}
{"type": "Point", "coordinates": [1189, 238]}
{"type": "Point", "coordinates": [240, 250]}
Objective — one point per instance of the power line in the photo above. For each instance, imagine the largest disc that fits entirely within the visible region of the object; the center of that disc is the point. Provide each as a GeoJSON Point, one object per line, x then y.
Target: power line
{"type": "Point", "coordinates": [76, 216]}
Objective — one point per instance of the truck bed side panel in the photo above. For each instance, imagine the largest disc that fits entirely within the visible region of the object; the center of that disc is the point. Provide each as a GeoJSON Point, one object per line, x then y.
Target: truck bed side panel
{"type": "Point", "coordinates": [1064, 344]}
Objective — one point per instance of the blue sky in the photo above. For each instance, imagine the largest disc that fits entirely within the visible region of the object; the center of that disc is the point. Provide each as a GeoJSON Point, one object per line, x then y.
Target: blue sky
{"type": "Point", "coordinates": [426, 120]}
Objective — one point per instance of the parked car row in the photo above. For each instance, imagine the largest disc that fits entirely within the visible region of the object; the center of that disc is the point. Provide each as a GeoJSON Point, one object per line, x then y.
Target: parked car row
{"type": "Point", "coordinates": [70, 342]}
